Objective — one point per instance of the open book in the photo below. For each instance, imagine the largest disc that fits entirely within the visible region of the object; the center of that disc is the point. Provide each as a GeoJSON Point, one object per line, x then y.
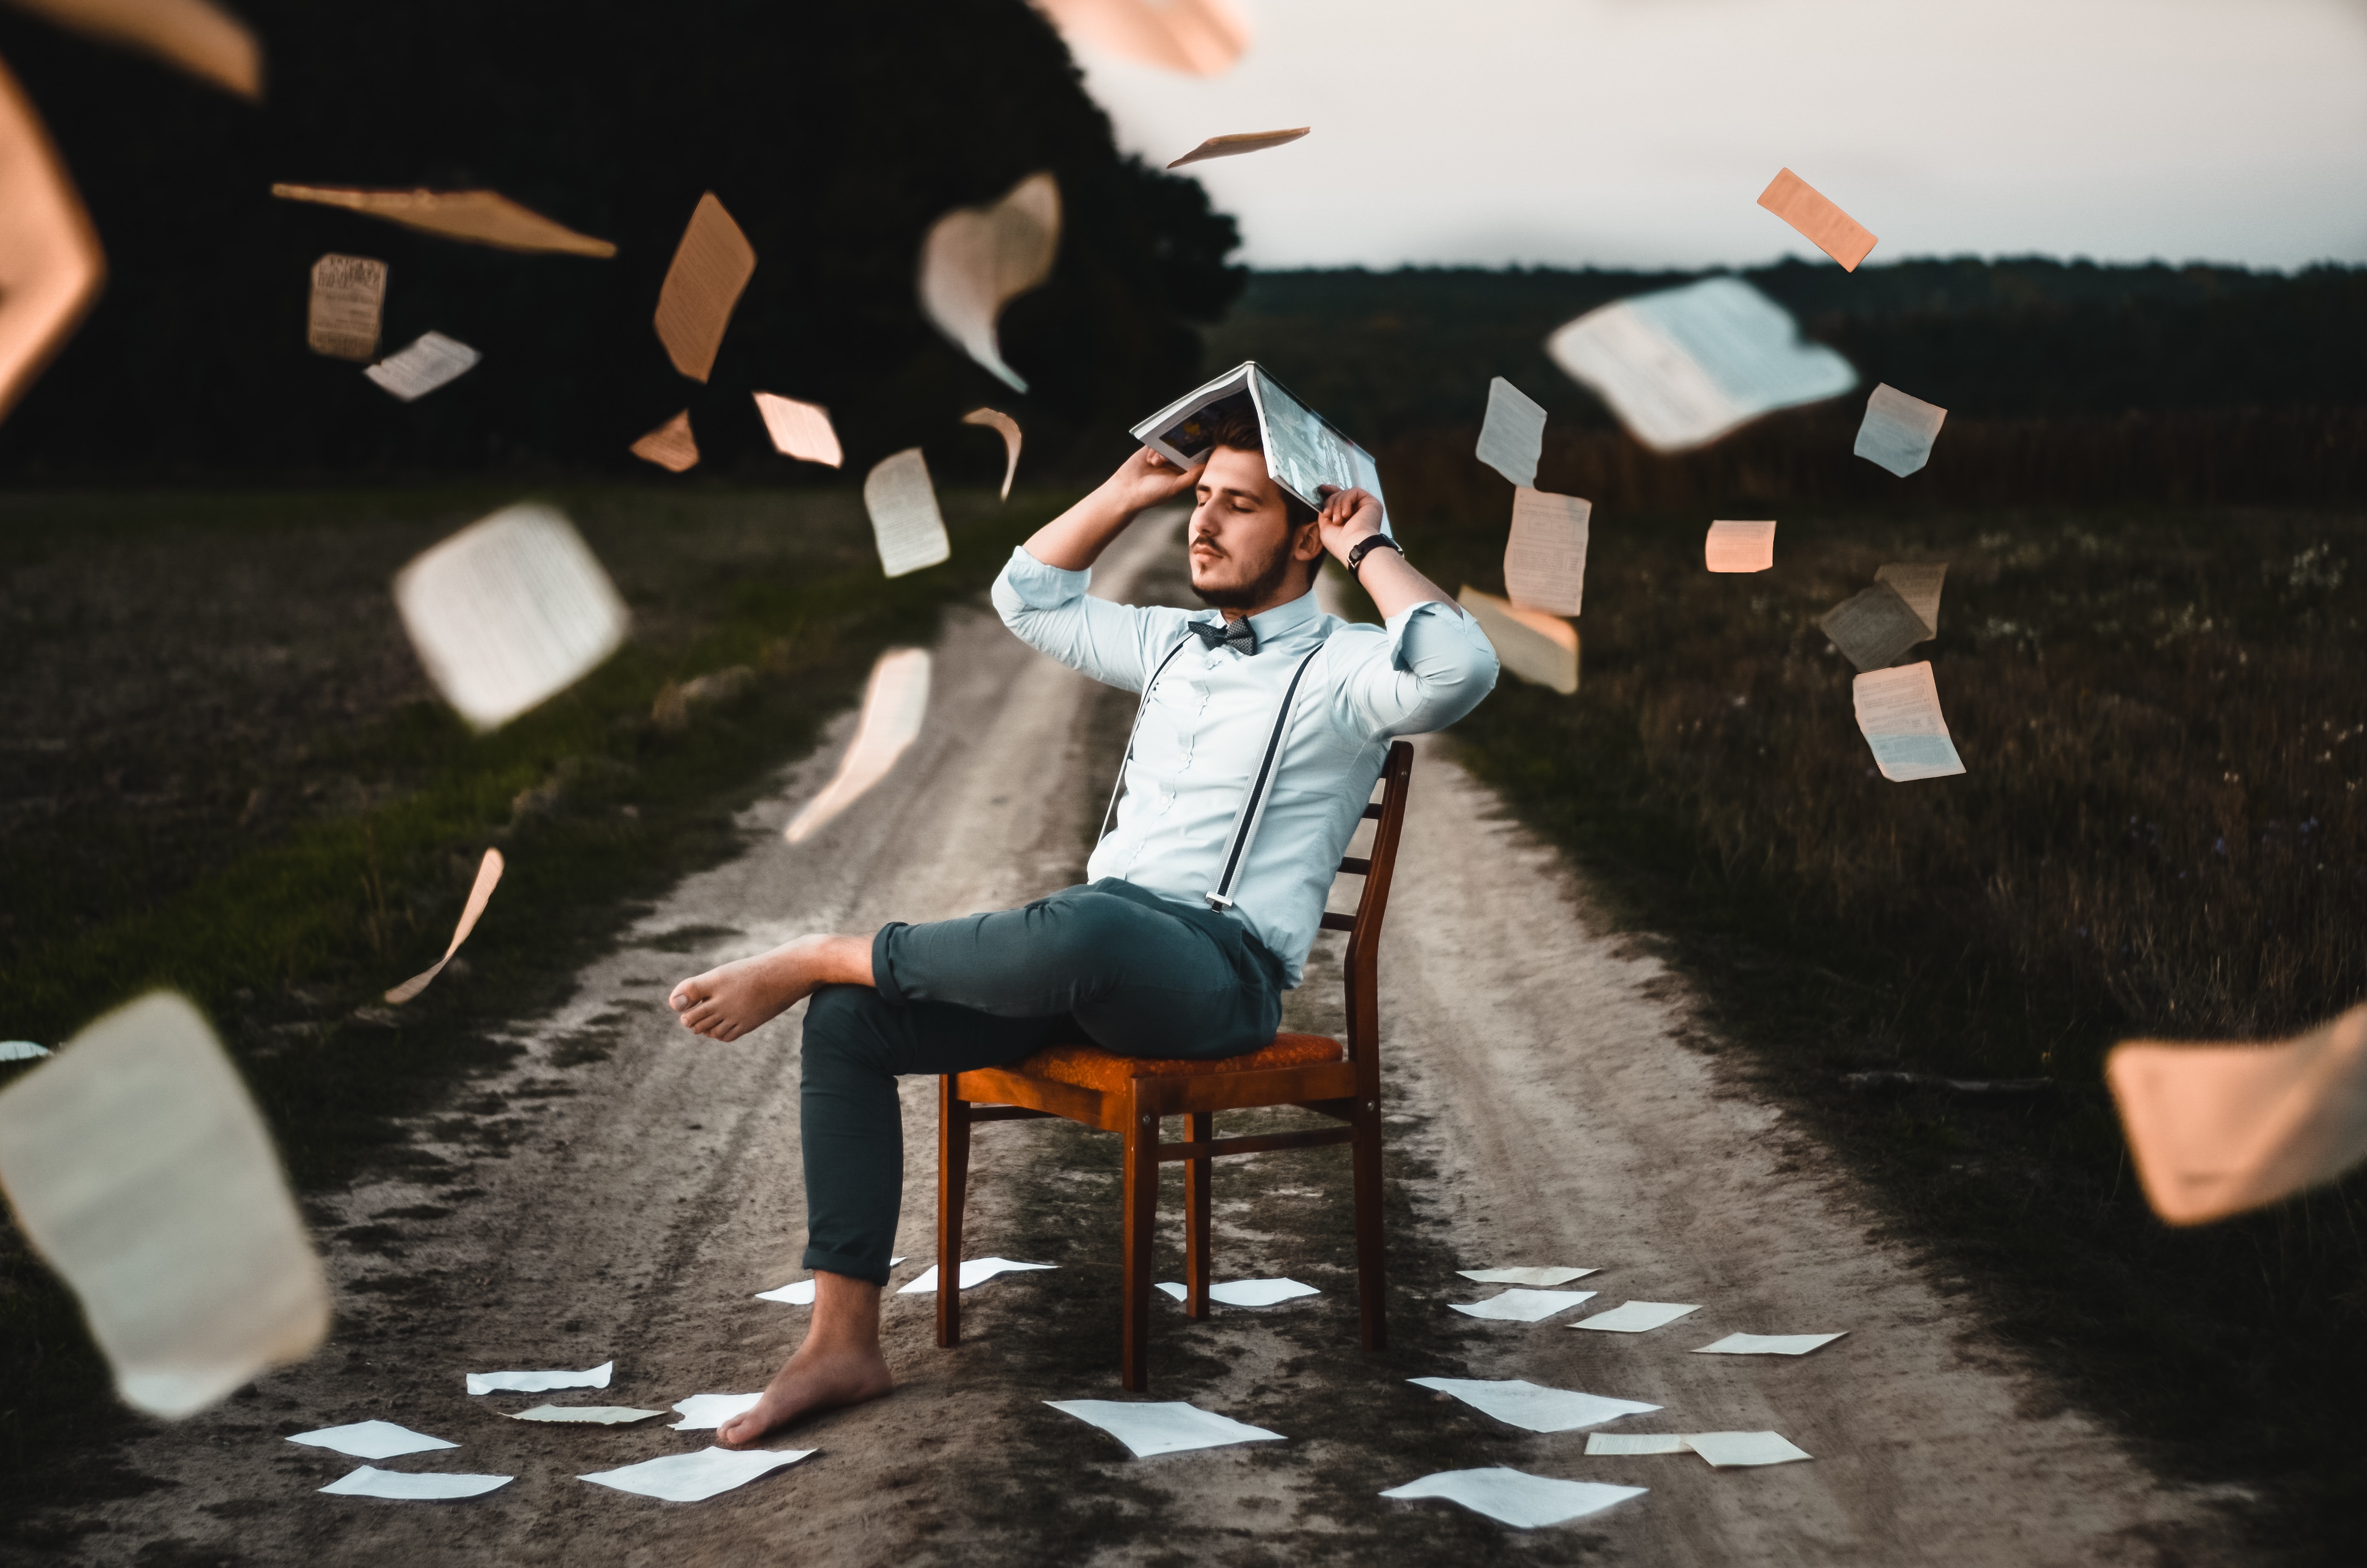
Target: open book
{"type": "Point", "coordinates": [1303, 451]}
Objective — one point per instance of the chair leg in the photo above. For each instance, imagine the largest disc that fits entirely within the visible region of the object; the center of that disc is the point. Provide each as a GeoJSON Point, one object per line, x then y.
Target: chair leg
{"type": "Point", "coordinates": [1141, 1216]}
{"type": "Point", "coordinates": [1202, 1128]}
{"type": "Point", "coordinates": [1371, 1277]}
{"type": "Point", "coordinates": [952, 1182]}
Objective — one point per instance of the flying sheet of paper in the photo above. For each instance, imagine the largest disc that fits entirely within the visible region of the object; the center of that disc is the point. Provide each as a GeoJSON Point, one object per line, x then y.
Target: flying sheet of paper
{"type": "Point", "coordinates": [1545, 559]}
{"type": "Point", "coordinates": [1918, 585]}
{"type": "Point", "coordinates": [595, 1415]}
{"type": "Point", "coordinates": [800, 1293]}
{"type": "Point", "coordinates": [1872, 627]}
{"type": "Point", "coordinates": [1517, 1498]}
{"type": "Point", "coordinates": [1685, 366]}
{"type": "Point", "coordinates": [372, 1441]}
{"type": "Point", "coordinates": [540, 1382]}
{"type": "Point", "coordinates": [1240, 141]}
{"type": "Point", "coordinates": [1149, 1429]}
{"type": "Point", "coordinates": [348, 296]}
{"type": "Point", "coordinates": [1539, 648]}
{"type": "Point", "coordinates": [1727, 1450]}
{"type": "Point", "coordinates": [488, 873]}
{"type": "Point", "coordinates": [1522, 1306]}
{"type": "Point", "coordinates": [801, 431]}
{"type": "Point", "coordinates": [22, 1050]}
{"type": "Point", "coordinates": [509, 612]}
{"type": "Point", "coordinates": [141, 1172]}
{"type": "Point", "coordinates": [200, 39]}
{"type": "Point", "coordinates": [1541, 1277]}
{"type": "Point", "coordinates": [1514, 436]}
{"type": "Point", "coordinates": [705, 1411]}
{"type": "Point", "coordinates": [895, 702]}
{"type": "Point", "coordinates": [2214, 1130]}
{"type": "Point", "coordinates": [478, 217]}
{"type": "Point", "coordinates": [1637, 1317]}
{"type": "Point", "coordinates": [978, 259]}
{"type": "Point", "coordinates": [432, 361]}
{"type": "Point", "coordinates": [1899, 713]}
{"type": "Point", "coordinates": [1824, 225]}
{"type": "Point", "coordinates": [1009, 427]}
{"type": "Point", "coordinates": [1246, 1292]}
{"type": "Point", "coordinates": [408, 1487]}
{"type": "Point", "coordinates": [1768, 1343]}
{"type": "Point", "coordinates": [1526, 1404]}
{"type": "Point", "coordinates": [1898, 430]}
{"type": "Point", "coordinates": [670, 446]}
{"type": "Point", "coordinates": [905, 522]}
{"type": "Point", "coordinates": [1199, 38]}
{"type": "Point", "coordinates": [711, 267]}
{"type": "Point", "coordinates": [1636, 1443]}
{"type": "Point", "coordinates": [694, 1478]}
{"type": "Point", "coordinates": [51, 264]}
{"type": "Point", "coordinates": [975, 1272]}
{"type": "Point", "coordinates": [1740, 546]}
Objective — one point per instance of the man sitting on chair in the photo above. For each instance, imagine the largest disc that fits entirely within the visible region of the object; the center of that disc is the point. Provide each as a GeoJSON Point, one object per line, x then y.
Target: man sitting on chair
{"type": "Point", "coordinates": [1201, 904]}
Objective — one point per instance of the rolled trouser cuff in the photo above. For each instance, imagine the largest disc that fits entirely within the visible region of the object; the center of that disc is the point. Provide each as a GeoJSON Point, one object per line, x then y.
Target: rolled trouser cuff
{"type": "Point", "coordinates": [817, 1261]}
{"type": "Point", "coordinates": [883, 973]}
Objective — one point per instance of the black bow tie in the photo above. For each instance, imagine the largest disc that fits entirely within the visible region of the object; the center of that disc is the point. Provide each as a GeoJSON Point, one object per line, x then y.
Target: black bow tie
{"type": "Point", "coordinates": [1236, 635]}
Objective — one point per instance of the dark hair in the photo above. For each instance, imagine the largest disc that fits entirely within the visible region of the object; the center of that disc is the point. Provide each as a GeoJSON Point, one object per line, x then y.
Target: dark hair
{"type": "Point", "coordinates": [1234, 425]}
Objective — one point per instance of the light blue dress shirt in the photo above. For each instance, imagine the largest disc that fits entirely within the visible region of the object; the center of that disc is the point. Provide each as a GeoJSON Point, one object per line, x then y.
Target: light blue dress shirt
{"type": "Point", "coordinates": [1208, 720]}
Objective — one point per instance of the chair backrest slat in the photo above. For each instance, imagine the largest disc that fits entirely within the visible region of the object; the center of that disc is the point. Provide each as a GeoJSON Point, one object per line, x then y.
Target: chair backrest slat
{"type": "Point", "coordinates": [1363, 927]}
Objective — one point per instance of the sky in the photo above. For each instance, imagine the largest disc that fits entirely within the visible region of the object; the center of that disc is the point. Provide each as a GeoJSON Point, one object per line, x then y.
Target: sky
{"type": "Point", "coordinates": [1640, 132]}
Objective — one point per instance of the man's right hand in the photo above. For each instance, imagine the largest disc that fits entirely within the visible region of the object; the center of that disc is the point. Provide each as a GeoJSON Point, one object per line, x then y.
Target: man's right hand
{"type": "Point", "coordinates": [1147, 480]}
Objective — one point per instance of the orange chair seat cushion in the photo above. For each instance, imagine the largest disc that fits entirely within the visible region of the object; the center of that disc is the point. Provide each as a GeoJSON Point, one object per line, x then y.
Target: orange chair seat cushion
{"type": "Point", "coordinates": [1089, 1067]}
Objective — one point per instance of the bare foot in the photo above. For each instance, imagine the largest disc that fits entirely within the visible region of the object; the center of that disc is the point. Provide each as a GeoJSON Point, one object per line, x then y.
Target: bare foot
{"type": "Point", "coordinates": [728, 1001]}
{"type": "Point", "coordinates": [839, 1364]}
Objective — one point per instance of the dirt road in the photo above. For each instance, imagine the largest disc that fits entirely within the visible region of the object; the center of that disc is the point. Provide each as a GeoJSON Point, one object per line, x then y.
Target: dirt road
{"type": "Point", "coordinates": [625, 1191]}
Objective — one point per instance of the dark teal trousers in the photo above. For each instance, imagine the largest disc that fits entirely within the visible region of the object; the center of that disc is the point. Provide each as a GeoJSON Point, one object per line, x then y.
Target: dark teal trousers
{"type": "Point", "coordinates": [1109, 962]}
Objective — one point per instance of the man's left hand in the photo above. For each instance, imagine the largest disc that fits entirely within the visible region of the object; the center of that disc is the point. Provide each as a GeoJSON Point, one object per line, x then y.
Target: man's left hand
{"type": "Point", "coordinates": [1347, 516]}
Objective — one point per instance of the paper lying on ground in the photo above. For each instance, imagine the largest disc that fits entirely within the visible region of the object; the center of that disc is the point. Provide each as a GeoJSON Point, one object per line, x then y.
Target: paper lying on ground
{"type": "Point", "coordinates": [341, 320]}
{"type": "Point", "coordinates": [704, 1412]}
{"type": "Point", "coordinates": [509, 612]}
{"type": "Point", "coordinates": [1824, 225]}
{"type": "Point", "coordinates": [1918, 585]}
{"type": "Point", "coordinates": [488, 873]}
{"type": "Point", "coordinates": [372, 1441]}
{"type": "Point", "coordinates": [711, 267]}
{"type": "Point", "coordinates": [1246, 1292]}
{"type": "Point", "coordinates": [1545, 559]}
{"type": "Point", "coordinates": [895, 702]}
{"type": "Point", "coordinates": [597, 1415]}
{"type": "Point", "coordinates": [1725, 1450]}
{"type": "Point", "coordinates": [1240, 142]}
{"type": "Point", "coordinates": [994, 419]}
{"type": "Point", "coordinates": [1149, 1429]}
{"type": "Point", "coordinates": [974, 1271]}
{"type": "Point", "coordinates": [978, 259]}
{"type": "Point", "coordinates": [50, 256]}
{"type": "Point", "coordinates": [1898, 430]}
{"type": "Point", "coordinates": [1517, 1498]}
{"type": "Point", "coordinates": [670, 446]}
{"type": "Point", "coordinates": [694, 1478]}
{"type": "Point", "coordinates": [432, 361]}
{"type": "Point", "coordinates": [1200, 38]}
{"type": "Point", "coordinates": [801, 431]}
{"type": "Point", "coordinates": [905, 522]}
{"type": "Point", "coordinates": [2215, 1130]}
{"type": "Point", "coordinates": [1683, 366]}
{"type": "Point", "coordinates": [540, 1382]}
{"type": "Point", "coordinates": [207, 42]}
{"type": "Point", "coordinates": [1622, 1443]}
{"type": "Point", "coordinates": [1526, 1404]}
{"type": "Point", "coordinates": [141, 1172]}
{"type": "Point", "coordinates": [1899, 713]}
{"type": "Point", "coordinates": [1637, 1317]}
{"type": "Point", "coordinates": [1768, 1343]}
{"type": "Point", "coordinates": [1872, 627]}
{"type": "Point", "coordinates": [1514, 436]}
{"type": "Point", "coordinates": [1740, 546]}
{"type": "Point", "coordinates": [1541, 1277]}
{"type": "Point", "coordinates": [1522, 1306]}
{"type": "Point", "coordinates": [481, 217]}
{"type": "Point", "coordinates": [22, 1050]}
{"type": "Point", "coordinates": [1539, 648]}
{"type": "Point", "coordinates": [800, 1293]}
{"type": "Point", "coordinates": [408, 1487]}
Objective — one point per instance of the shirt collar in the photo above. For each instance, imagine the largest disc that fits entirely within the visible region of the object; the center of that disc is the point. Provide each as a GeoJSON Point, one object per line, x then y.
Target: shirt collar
{"type": "Point", "coordinates": [1283, 620]}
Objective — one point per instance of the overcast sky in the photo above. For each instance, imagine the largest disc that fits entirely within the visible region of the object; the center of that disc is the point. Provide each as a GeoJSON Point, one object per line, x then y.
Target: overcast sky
{"type": "Point", "coordinates": [1640, 133]}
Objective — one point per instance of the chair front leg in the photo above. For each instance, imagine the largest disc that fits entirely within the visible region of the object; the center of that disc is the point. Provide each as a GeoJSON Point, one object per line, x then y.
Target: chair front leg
{"type": "Point", "coordinates": [1196, 1207]}
{"type": "Point", "coordinates": [1372, 1284]}
{"type": "Point", "coordinates": [952, 1182]}
{"type": "Point", "coordinates": [1141, 1217]}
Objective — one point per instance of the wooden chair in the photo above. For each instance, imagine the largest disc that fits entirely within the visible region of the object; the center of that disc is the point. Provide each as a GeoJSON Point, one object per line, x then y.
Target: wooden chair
{"type": "Point", "coordinates": [1129, 1096]}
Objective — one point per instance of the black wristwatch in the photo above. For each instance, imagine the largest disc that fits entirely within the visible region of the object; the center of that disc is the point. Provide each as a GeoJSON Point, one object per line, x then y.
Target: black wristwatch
{"type": "Point", "coordinates": [1366, 545]}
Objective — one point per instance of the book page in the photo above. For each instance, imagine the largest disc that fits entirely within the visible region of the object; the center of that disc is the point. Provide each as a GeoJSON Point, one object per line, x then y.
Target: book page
{"type": "Point", "coordinates": [1199, 38]}
{"type": "Point", "coordinates": [1539, 648]}
{"type": "Point", "coordinates": [1513, 437]}
{"type": "Point", "coordinates": [51, 264]}
{"type": "Point", "coordinates": [1899, 713]}
{"type": "Point", "coordinates": [1918, 585]}
{"type": "Point", "coordinates": [199, 38]}
{"type": "Point", "coordinates": [480, 217]}
{"type": "Point", "coordinates": [1544, 561]}
{"type": "Point", "coordinates": [895, 702]}
{"type": "Point", "coordinates": [1898, 430]}
{"type": "Point", "coordinates": [711, 267]}
{"type": "Point", "coordinates": [1740, 546]}
{"type": "Point", "coordinates": [1873, 627]}
{"type": "Point", "coordinates": [1824, 225]}
{"type": "Point", "coordinates": [801, 431]}
{"type": "Point", "coordinates": [1242, 141]}
{"type": "Point", "coordinates": [431, 361]}
{"type": "Point", "coordinates": [342, 318]}
{"type": "Point", "coordinates": [670, 446]}
{"type": "Point", "coordinates": [994, 419]}
{"type": "Point", "coordinates": [905, 521]}
{"type": "Point", "coordinates": [975, 261]}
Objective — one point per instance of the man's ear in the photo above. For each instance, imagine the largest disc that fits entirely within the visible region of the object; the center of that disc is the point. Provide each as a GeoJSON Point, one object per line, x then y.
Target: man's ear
{"type": "Point", "coordinates": [1308, 544]}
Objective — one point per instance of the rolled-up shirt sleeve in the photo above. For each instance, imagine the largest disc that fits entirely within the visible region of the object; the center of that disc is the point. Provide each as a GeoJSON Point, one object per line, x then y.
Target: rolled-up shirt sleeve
{"type": "Point", "coordinates": [1432, 667]}
{"type": "Point", "coordinates": [1047, 609]}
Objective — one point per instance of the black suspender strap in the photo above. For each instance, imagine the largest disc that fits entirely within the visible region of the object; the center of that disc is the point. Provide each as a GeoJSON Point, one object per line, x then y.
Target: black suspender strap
{"type": "Point", "coordinates": [1253, 811]}
{"type": "Point", "coordinates": [1139, 709]}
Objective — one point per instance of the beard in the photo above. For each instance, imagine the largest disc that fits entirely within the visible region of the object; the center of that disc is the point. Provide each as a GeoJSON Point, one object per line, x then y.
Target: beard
{"type": "Point", "coordinates": [1259, 590]}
